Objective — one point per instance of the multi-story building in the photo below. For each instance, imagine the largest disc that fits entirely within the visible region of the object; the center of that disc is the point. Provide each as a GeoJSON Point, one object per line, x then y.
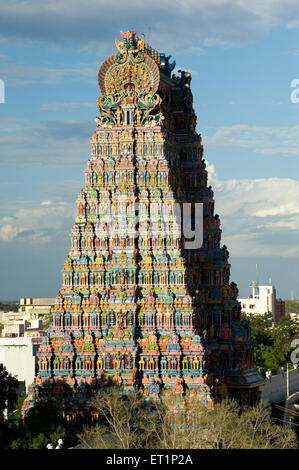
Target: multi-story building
{"type": "Point", "coordinates": [23, 329]}
{"type": "Point", "coordinates": [19, 343]}
{"type": "Point", "coordinates": [19, 355]}
{"type": "Point", "coordinates": [35, 309]}
{"type": "Point", "coordinates": [30, 311]}
{"type": "Point", "coordinates": [280, 309]}
{"type": "Point", "coordinates": [263, 300]}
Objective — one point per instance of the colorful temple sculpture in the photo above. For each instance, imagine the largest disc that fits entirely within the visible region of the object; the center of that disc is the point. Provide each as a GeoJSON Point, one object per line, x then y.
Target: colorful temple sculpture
{"type": "Point", "coordinates": [141, 304]}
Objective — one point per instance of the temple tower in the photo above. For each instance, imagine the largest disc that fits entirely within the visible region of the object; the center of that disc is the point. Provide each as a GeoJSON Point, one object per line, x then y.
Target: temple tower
{"type": "Point", "coordinates": [141, 303]}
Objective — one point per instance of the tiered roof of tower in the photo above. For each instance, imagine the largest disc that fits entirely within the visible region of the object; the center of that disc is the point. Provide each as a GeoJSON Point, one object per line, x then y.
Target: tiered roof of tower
{"type": "Point", "coordinates": [138, 307]}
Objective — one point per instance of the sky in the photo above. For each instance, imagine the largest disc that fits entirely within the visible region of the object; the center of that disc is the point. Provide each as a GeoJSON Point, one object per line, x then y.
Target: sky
{"type": "Point", "coordinates": [243, 57]}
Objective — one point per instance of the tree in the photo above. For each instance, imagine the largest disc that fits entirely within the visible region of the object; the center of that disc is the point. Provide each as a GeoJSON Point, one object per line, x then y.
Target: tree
{"type": "Point", "coordinates": [42, 424]}
{"type": "Point", "coordinates": [8, 396]}
{"type": "Point", "coordinates": [226, 427]}
{"type": "Point", "coordinates": [231, 428]}
{"type": "Point", "coordinates": [126, 422]}
{"type": "Point", "coordinates": [292, 306]}
{"type": "Point", "coordinates": [20, 403]}
{"type": "Point", "coordinates": [9, 306]}
{"type": "Point", "coordinates": [272, 342]}
{"type": "Point", "coordinates": [47, 320]}
{"type": "Point", "coordinates": [131, 422]}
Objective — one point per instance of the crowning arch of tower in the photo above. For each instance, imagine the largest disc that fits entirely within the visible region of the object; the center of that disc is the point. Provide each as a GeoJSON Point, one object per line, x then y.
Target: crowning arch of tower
{"type": "Point", "coordinates": [138, 307]}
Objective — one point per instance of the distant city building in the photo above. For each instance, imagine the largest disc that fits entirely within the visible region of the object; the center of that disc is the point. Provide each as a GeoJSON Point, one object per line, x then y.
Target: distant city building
{"type": "Point", "coordinates": [263, 300]}
{"type": "Point", "coordinates": [29, 310]}
{"type": "Point", "coordinates": [19, 344]}
{"type": "Point", "coordinates": [13, 330]}
{"type": "Point", "coordinates": [280, 309]}
{"type": "Point", "coordinates": [23, 329]}
{"type": "Point", "coordinates": [35, 309]}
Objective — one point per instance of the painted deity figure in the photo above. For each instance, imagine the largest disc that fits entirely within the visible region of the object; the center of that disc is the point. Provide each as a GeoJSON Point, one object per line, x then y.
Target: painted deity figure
{"type": "Point", "coordinates": [138, 114]}
{"type": "Point", "coordinates": [94, 298]}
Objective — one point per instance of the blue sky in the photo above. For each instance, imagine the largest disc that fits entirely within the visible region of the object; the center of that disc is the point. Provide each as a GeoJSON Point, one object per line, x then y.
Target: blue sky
{"type": "Point", "coordinates": [242, 57]}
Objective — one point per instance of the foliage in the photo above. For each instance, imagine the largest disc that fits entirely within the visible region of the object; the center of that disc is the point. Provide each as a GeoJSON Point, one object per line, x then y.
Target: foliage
{"type": "Point", "coordinates": [227, 427]}
{"type": "Point", "coordinates": [20, 402]}
{"type": "Point", "coordinates": [43, 424]}
{"type": "Point", "coordinates": [8, 385]}
{"type": "Point", "coordinates": [251, 428]}
{"type": "Point", "coordinates": [8, 396]}
{"type": "Point", "coordinates": [292, 306]}
{"type": "Point", "coordinates": [126, 422]}
{"type": "Point", "coordinates": [131, 422]}
{"type": "Point", "coordinates": [9, 306]}
{"type": "Point", "coordinates": [272, 342]}
{"type": "Point", "coordinates": [47, 320]}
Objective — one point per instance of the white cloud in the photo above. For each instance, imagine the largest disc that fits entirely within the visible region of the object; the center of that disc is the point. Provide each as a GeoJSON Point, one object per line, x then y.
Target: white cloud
{"type": "Point", "coordinates": [46, 203]}
{"type": "Point", "coordinates": [20, 75]}
{"type": "Point", "coordinates": [8, 232]}
{"type": "Point", "coordinates": [37, 223]}
{"type": "Point", "coordinates": [293, 24]}
{"type": "Point", "coordinates": [9, 124]}
{"type": "Point", "coordinates": [288, 208]}
{"type": "Point", "coordinates": [62, 106]}
{"type": "Point", "coordinates": [260, 217]}
{"type": "Point", "coordinates": [51, 144]}
{"type": "Point", "coordinates": [215, 22]}
{"type": "Point", "coordinates": [265, 140]}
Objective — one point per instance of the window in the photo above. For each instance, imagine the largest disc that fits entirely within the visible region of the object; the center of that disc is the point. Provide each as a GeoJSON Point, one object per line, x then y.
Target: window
{"type": "Point", "coordinates": [151, 364]}
{"type": "Point", "coordinates": [185, 363]}
{"type": "Point", "coordinates": [88, 363]}
{"type": "Point", "coordinates": [56, 363]}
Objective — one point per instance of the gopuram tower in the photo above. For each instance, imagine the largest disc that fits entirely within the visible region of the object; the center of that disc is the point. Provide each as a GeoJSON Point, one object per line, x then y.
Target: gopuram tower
{"type": "Point", "coordinates": [142, 304]}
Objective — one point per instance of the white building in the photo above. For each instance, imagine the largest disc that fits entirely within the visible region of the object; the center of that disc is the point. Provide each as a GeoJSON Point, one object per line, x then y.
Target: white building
{"type": "Point", "coordinates": [35, 309]}
{"type": "Point", "coordinates": [18, 355]}
{"type": "Point", "coordinates": [21, 336]}
{"type": "Point", "coordinates": [263, 300]}
{"type": "Point", "coordinates": [30, 310]}
{"type": "Point", "coordinates": [23, 328]}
